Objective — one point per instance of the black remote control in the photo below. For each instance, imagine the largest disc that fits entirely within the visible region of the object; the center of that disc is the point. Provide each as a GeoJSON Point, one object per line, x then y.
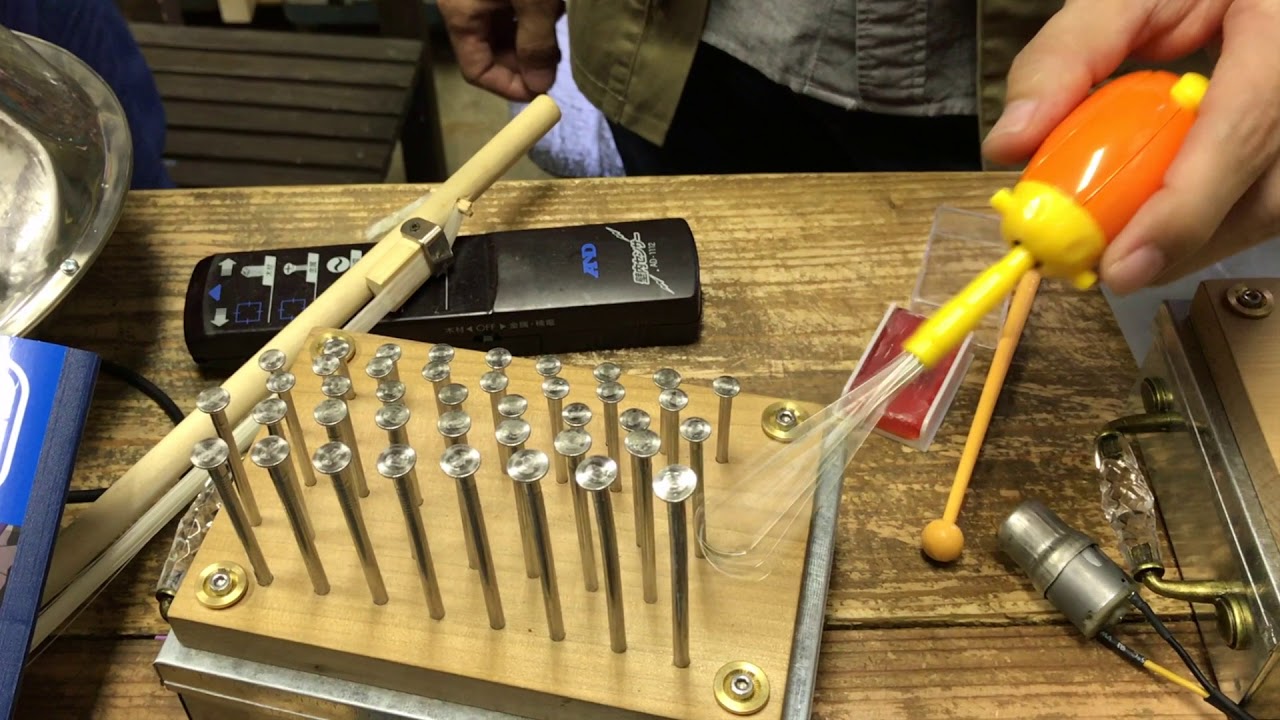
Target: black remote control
{"type": "Point", "coordinates": [548, 290]}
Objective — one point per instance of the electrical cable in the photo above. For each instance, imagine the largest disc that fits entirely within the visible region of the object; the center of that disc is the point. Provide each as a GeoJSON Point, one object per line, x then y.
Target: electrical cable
{"type": "Point", "coordinates": [1216, 698]}
{"type": "Point", "coordinates": [1141, 661]}
{"type": "Point", "coordinates": [146, 387]}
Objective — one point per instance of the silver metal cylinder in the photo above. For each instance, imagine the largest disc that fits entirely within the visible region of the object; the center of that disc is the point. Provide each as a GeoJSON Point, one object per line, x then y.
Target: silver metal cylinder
{"type": "Point", "coordinates": [438, 374]}
{"type": "Point", "coordinates": [667, 379]}
{"type": "Point", "coordinates": [327, 365]}
{"type": "Point", "coordinates": [394, 420]}
{"type": "Point", "coordinates": [576, 415]}
{"type": "Point", "coordinates": [633, 419]}
{"type": "Point", "coordinates": [272, 454]}
{"type": "Point", "coordinates": [334, 416]}
{"type": "Point", "coordinates": [548, 366]}
{"type": "Point", "coordinates": [271, 413]}
{"type": "Point", "coordinates": [643, 445]}
{"type": "Point", "coordinates": [606, 372]}
{"type": "Point", "coordinates": [594, 475]}
{"type": "Point", "coordinates": [498, 359]}
{"type": "Point", "coordinates": [527, 468]}
{"type": "Point", "coordinates": [338, 461]}
{"type": "Point", "coordinates": [513, 405]}
{"type": "Point", "coordinates": [674, 485]}
{"type": "Point", "coordinates": [282, 383]}
{"type": "Point", "coordinates": [390, 392]}
{"type": "Point", "coordinates": [610, 393]}
{"type": "Point", "coordinates": [695, 431]}
{"type": "Point", "coordinates": [339, 348]}
{"type": "Point", "coordinates": [213, 402]}
{"type": "Point", "coordinates": [338, 386]}
{"type": "Point", "coordinates": [382, 369]}
{"type": "Point", "coordinates": [461, 462]}
{"type": "Point", "coordinates": [726, 388]}
{"type": "Point", "coordinates": [1066, 567]}
{"type": "Point", "coordinates": [389, 350]}
{"type": "Point", "coordinates": [672, 401]}
{"type": "Point", "coordinates": [511, 436]}
{"type": "Point", "coordinates": [555, 389]}
{"type": "Point", "coordinates": [214, 456]}
{"type": "Point", "coordinates": [572, 445]}
{"type": "Point", "coordinates": [494, 384]}
{"type": "Point", "coordinates": [396, 463]}
{"type": "Point", "coordinates": [454, 397]}
{"type": "Point", "coordinates": [440, 352]}
{"type": "Point", "coordinates": [453, 426]}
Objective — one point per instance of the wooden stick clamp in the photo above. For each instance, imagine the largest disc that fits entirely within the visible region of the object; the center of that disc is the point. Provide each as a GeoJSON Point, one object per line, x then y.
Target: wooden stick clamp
{"type": "Point", "coordinates": [99, 525]}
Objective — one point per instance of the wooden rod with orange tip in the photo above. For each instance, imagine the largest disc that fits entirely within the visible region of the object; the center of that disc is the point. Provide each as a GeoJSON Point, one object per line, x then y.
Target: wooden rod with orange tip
{"type": "Point", "coordinates": [942, 539]}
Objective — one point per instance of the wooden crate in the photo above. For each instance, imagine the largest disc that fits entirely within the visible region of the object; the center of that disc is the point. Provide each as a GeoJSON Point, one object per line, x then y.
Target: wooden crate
{"type": "Point", "coordinates": [459, 658]}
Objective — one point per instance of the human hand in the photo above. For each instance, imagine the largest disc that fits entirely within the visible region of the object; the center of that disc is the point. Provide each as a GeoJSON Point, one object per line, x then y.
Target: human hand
{"type": "Point", "coordinates": [507, 47]}
{"type": "Point", "coordinates": [1222, 192]}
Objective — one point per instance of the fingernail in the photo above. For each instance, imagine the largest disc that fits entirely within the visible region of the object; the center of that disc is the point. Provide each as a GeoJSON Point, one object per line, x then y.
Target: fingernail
{"type": "Point", "coordinates": [1016, 116]}
{"type": "Point", "coordinates": [1135, 270]}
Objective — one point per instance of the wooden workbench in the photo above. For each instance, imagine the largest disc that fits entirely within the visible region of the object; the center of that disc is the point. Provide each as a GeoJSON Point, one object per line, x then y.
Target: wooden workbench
{"type": "Point", "coordinates": [798, 272]}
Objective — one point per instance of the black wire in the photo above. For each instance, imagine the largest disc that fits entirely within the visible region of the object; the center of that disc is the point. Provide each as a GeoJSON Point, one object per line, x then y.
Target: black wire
{"type": "Point", "coordinates": [146, 387]}
{"type": "Point", "coordinates": [1216, 698]}
{"type": "Point", "coordinates": [1124, 651]}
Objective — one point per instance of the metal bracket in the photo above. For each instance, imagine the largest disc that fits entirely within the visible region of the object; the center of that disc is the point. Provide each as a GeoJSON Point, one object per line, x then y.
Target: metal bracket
{"type": "Point", "coordinates": [437, 247]}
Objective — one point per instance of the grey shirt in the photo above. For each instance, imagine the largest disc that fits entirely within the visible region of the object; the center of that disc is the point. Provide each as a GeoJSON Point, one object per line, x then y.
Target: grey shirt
{"type": "Point", "coordinates": [905, 57]}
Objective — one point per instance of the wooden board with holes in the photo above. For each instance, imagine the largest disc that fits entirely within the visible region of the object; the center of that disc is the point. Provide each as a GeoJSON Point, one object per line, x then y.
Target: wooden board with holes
{"type": "Point", "coordinates": [460, 658]}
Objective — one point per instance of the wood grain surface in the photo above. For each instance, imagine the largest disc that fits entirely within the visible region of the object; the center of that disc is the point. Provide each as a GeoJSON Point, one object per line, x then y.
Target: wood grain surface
{"type": "Point", "coordinates": [798, 271]}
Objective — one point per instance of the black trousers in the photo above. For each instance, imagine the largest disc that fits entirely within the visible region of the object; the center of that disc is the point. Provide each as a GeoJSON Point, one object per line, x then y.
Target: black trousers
{"type": "Point", "coordinates": [733, 119]}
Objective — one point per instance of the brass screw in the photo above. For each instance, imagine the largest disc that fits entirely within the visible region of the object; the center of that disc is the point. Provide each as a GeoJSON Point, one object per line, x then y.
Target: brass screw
{"type": "Point", "coordinates": [741, 688]}
{"type": "Point", "coordinates": [781, 420]}
{"type": "Point", "coordinates": [221, 585]}
{"type": "Point", "coordinates": [318, 347]}
{"type": "Point", "coordinates": [1250, 302]}
{"type": "Point", "coordinates": [1235, 621]}
{"type": "Point", "coordinates": [1156, 395]}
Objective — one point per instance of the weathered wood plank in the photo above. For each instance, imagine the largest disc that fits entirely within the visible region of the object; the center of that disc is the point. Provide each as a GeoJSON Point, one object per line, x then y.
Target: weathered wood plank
{"type": "Point", "coordinates": [277, 93]}
{"type": "Point", "coordinates": [329, 45]}
{"type": "Point", "coordinates": [266, 148]}
{"type": "Point", "coordinates": [300, 123]}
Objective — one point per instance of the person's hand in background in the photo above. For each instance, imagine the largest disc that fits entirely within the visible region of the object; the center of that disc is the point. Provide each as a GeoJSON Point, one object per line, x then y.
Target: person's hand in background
{"type": "Point", "coordinates": [507, 47]}
{"type": "Point", "coordinates": [1222, 192]}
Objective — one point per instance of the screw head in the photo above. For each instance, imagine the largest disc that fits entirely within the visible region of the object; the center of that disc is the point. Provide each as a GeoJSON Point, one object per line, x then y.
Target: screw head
{"type": "Point", "coordinates": [379, 367]}
{"type": "Point", "coordinates": [726, 386]}
{"type": "Point", "coordinates": [675, 483]}
{"type": "Point", "coordinates": [633, 419]}
{"type": "Point", "coordinates": [339, 347]}
{"type": "Point", "coordinates": [460, 461]}
{"type": "Point", "coordinates": [673, 400]}
{"type": "Point", "coordinates": [271, 451]}
{"type": "Point", "coordinates": [643, 443]}
{"type": "Point", "coordinates": [528, 466]}
{"type": "Point", "coordinates": [498, 358]}
{"type": "Point", "coordinates": [269, 411]}
{"type": "Point", "coordinates": [396, 461]}
{"type": "Point", "coordinates": [453, 424]}
{"type": "Point", "coordinates": [574, 442]}
{"type": "Point", "coordinates": [667, 378]}
{"type": "Point", "coordinates": [435, 371]}
{"type": "Point", "coordinates": [512, 406]}
{"type": "Point", "coordinates": [440, 352]}
{"type": "Point", "coordinates": [330, 412]}
{"type": "Point", "coordinates": [331, 458]}
{"type": "Point", "coordinates": [453, 394]}
{"type": "Point", "coordinates": [695, 430]}
{"type": "Point", "coordinates": [494, 381]}
{"type": "Point", "coordinates": [547, 366]}
{"type": "Point", "coordinates": [325, 365]}
{"type": "Point", "coordinates": [272, 360]}
{"type": "Point", "coordinates": [390, 391]}
{"type": "Point", "coordinates": [221, 585]}
{"type": "Point", "coordinates": [212, 400]}
{"type": "Point", "coordinates": [392, 417]}
{"type": "Point", "coordinates": [335, 386]}
{"type": "Point", "coordinates": [388, 350]}
{"type": "Point", "coordinates": [555, 388]}
{"type": "Point", "coordinates": [282, 381]}
{"type": "Point", "coordinates": [576, 415]}
{"type": "Point", "coordinates": [611, 392]}
{"type": "Point", "coordinates": [70, 266]}
{"type": "Point", "coordinates": [597, 472]}
{"type": "Point", "coordinates": [607, 372]}
{"type": "Point", "coordinates": [1250, 302]}
{"type": "Point", "coordinates": [512, 432]}
{"type": "Point", "coordinates": [209, 453]}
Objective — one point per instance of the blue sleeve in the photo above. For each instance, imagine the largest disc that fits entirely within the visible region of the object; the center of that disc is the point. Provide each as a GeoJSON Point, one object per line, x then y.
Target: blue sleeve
{"type": "Point", "coordinates": [96, 32]}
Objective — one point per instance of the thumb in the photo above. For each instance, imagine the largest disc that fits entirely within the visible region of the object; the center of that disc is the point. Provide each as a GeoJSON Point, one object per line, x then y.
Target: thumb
{"type": "Point", "coordinates": [1077, 48]}
{"type": "Point", "coordinates": [537, 51]}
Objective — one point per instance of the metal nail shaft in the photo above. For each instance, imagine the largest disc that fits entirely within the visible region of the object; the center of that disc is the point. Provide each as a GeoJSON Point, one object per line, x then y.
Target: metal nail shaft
{"type": "Point", "coordinates": [726, 388]}
{"type": "Point", "coordinates": [611, 392]}
{"type": "Point", "coordinates": [461, 462]}
{"type": "Point", "coordinates": [674, 485]}
{"type": "Point", "coordinates": [511, 436]}
{"type": "Point", "coordinates": [696, 431]}
{"type": "Point", "coordinates": [213, 455]}
{"type": "Point", "coordinates": [272, 454]}
{"type": "Point", "coordinates": [527, 468]}
{"type": "Point", "coordinates": [338, 461]}
{"type": "Point", "coordinates": [214, 402]}
{"type": "Point", "coordinates": [594, 475]}
{"type": "Point", "coordinates": [282, 384]}
{"type": "Point", "coordinates": [454, 426]}
{"type": "Point", "coordinates": [572, 445]}
{"type": "Point", "coordinates": [335, 416]}
{"type": "Point", "coordinates": [643, 445]}
{"type": "Point", "coordinates": [396, 463]}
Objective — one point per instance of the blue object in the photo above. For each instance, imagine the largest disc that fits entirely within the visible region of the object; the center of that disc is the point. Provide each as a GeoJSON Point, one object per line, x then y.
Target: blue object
{"type": "Point", "coordinates": [96, 32]}
{"type": "Point", "coordinates": [45, 391]}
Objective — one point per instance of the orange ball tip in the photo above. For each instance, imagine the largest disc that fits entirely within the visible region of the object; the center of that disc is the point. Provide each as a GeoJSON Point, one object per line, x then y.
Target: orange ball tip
{"type": "Point", "coordinates": [943, 541]}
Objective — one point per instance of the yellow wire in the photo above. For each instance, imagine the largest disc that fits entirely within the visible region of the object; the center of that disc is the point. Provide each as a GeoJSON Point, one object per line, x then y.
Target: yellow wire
{"type": "Point", "coordinates": [1175, 678]}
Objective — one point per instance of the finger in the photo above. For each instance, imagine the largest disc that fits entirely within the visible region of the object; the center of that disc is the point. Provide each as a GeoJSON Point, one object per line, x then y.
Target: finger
{"type": "Point", "coordinates": [1233, 141]}
{"type": "Point", "coordinates": [474, 36]}
{"type": "Point", "coordinates": [1077, 48]}
{"type": "Point", "coordinates": [536, 49]}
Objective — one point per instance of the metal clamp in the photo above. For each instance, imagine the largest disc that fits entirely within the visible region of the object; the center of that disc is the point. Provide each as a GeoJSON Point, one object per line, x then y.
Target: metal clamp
{"type": "Point", "coordinates": [435, 242]}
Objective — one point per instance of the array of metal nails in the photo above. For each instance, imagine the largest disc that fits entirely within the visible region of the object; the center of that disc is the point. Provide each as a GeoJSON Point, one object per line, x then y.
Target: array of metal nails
{"type": "Point", "coordinates": [587, 457]}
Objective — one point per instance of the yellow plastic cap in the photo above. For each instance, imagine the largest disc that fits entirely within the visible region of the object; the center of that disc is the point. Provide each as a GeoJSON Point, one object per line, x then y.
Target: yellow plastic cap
{"type": "Point", "coordinates": [1190, 90]}
{"type": "Point", "coordinates": [1056, 230]}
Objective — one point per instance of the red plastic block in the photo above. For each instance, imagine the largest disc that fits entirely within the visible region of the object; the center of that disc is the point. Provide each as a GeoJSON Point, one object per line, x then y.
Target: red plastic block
{"type": "Point", "coordinates": [913, 407]}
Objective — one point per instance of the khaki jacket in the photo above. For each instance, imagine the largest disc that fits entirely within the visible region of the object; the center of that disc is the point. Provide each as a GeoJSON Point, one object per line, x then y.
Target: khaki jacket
{"type": "Point", "coordinates": [630, 57]}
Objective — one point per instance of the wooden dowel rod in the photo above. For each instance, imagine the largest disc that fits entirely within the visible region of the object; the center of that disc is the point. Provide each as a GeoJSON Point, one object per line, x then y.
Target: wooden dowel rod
{"type": "Point", "coordinates": [151, 477]}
